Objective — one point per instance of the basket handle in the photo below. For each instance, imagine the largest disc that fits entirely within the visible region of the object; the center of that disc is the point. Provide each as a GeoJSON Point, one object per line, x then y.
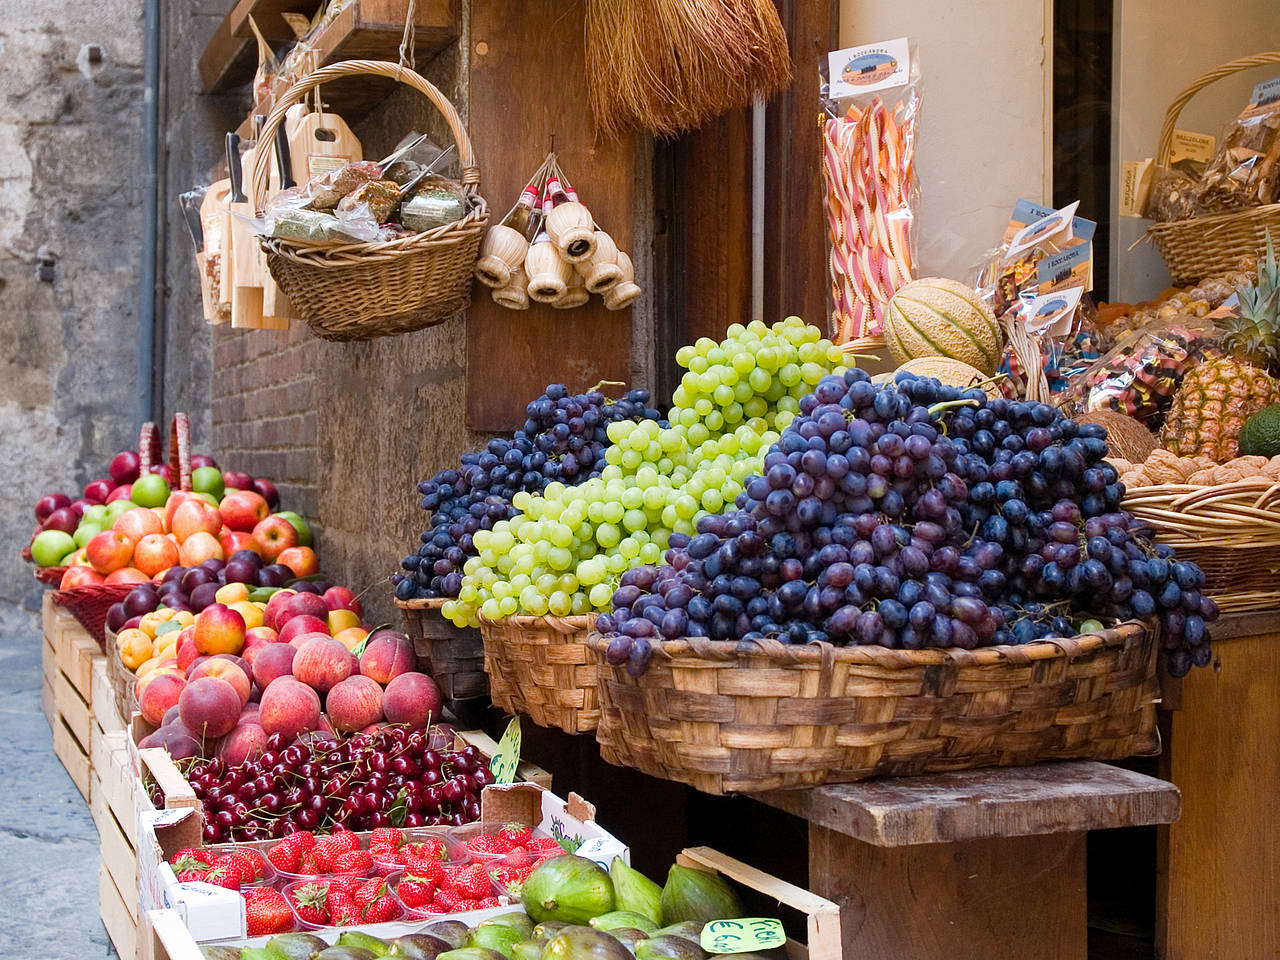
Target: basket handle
{"type": "Point", "coordinates": [148, 448]}
{"type": "Point", "coordinates": [1198, 84]}
{"type": "Point", "coordinates": [352, 68]}
{"type": "Point", "coordinates": [180, 452]}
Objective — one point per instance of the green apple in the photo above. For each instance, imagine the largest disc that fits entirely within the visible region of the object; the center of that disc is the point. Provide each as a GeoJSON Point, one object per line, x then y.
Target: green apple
{"type": "Point", "coordinates": [114, 509]}
{"type": "Point", "coordinates": [304, 531]}
{"type": "Point", "coordinates": [95, 514]}
{"type": "Point", "coordinates": [208, 480]}
{"type": "Point", "coordinates": [50, 548]}
{"type": "Point", "coordinates": [150, 491]}
{"type": "Point", "coordinates": [209, 497]}
{"type": "Point", "coordinates": [84, 533]}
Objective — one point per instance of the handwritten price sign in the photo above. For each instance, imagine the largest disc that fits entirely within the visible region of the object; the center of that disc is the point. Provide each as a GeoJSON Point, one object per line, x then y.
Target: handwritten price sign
{"type": "Point", "coordinates": [507, 758]}
{"type": "Point", "coordinates": [742, 936]}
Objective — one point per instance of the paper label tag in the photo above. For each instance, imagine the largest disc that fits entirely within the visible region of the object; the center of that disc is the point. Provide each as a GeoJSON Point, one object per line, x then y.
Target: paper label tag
{"type": "Point", "coordinates": [507, 757]}
{"type": "Point", "coordinates": [742, 936]}
{"type": "Point", "coordinates": [1050, 315]}
{"type": "Point", "coordinates": [1054, 272]}
{"type": "Point", "coordinates": [1025, 211]}
{"type": "Point", "coordinates": [1187, 145]}
{"type": "Point", "coordinates": [866, 69]}
{"type": "Point", "coordinates": [318, 163]}
{"type": "Point", "coordinates": [1267, 91]}
{"type": "Point", "coordinates": [1033, 233]}
{"type": "Point", "coordinates": [1135, 185]}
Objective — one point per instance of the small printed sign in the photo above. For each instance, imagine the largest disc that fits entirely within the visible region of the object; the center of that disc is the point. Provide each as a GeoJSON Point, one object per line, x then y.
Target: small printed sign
{"type": "Point", "coordinates": [743, 936]}
{"type": "Point", "coordinates": [507, 758]}
{"type": "Point", "coordinates": [866, 69]}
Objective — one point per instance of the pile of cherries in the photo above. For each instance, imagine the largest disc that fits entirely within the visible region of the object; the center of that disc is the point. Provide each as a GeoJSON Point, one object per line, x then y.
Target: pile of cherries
{"type": "Point", "coordinates": [394, 777]}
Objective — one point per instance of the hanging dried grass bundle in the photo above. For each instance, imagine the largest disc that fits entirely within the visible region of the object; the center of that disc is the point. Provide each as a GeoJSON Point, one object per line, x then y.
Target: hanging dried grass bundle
{"type": "Point", "coordinates": [671, 65]}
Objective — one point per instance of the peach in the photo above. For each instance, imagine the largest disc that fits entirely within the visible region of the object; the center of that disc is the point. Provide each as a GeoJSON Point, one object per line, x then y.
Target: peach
{"type": "Point", "coordinates": [226, 670]}
{"type": "Point", "coordinates": [190, 667]}
{"type": "Point", "coordinates": [340, 620]}
{"type": "Point", "coordinates": [155, 553]}
{"type": "Point", "coordinates": [244, 741]}
{"type": "Point", "coordinates": [306, 605]}
{"type": "Point", "coordinates": [413, 699]}
{"type": "Point", "coordinates": [273, 616]}
{"type": "Point", "coordinates": [198, 548]}
{"type": "Point", "coordinates": [79, 576]}
{"type": "Point", "coordinates": [209, 707]}
{"type": "Point", "coordinates": [126, 575]}
{"type": "Point", "coordinates": [186, 650]}
{"type": "Point", "coordinates": [193, 517]}
{"type": "Point", "coordinates": [289, 707]}
{"type": "Point", "coordinates": [354, 703]}
{"type": "Point", "coordinates": [322, 663]}
{"type": "Point", "coordinates": [174, 738]}
{"type": "Point", "coordinates": [301, 560]}
{"type": "Point", "coordinates": [272, 661]}
{"type": "Point", "coordinates": [255, 639]}
{"type": "Point", "coordinates": [219, 629]}
{"type": "Point", "coordinates": [157, 693]}
{"type": "Point", "coordinates": [297, 626]}
{"type": "Point", "coordinates": [138, 523]}
{"type": "Point", "coordinates": [108, 551]}
{"type": "Point", "coordinates": [386, 656]}
{"type": "Point", "coordinates": [231, 593]}
{"type": "Point", "coordinates": [351, 637]}
{"type": "Point", "coordinates": [250, 611]}
{"type": "Point", "coordinates": [274, 534]}
{"type": "Point", "coordinates": [342, 598]}
{"type": "Point", "coordinates": [242, 510]}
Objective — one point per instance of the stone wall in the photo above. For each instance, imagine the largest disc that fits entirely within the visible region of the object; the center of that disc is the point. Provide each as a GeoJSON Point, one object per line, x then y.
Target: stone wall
{"type": "Point", "coordinates": [70, 236]}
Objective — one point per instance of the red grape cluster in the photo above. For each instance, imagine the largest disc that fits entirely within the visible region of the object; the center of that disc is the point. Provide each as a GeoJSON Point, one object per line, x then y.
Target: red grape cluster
{"type": "Point", "coordinates": [395, 777]}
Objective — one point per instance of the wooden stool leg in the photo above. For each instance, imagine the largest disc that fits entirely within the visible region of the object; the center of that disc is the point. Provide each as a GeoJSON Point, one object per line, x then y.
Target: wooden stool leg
{"type": "Point", "coordinates": [1015, 898]}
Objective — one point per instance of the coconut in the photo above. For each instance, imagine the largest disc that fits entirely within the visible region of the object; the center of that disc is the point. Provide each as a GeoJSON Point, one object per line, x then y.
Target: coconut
{"type": "Point", "coordinates": [1126, 437]}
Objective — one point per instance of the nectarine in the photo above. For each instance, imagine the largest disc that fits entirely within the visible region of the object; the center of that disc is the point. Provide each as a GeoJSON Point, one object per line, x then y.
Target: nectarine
{"type": "Point", "coordinates": [289, 707]}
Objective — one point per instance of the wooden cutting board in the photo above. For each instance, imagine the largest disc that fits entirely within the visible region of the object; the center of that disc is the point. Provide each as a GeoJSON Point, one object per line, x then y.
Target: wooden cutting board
{"type": "Point", "coordinates": [213, 222]}
{"type": "Point", "coordinates": [320, 142]}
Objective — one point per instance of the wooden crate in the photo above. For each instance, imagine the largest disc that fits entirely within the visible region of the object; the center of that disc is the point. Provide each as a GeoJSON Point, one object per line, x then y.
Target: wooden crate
{"type": "Point", "coordinates": [68, 659]}
{"type": "Point", "coordinates": [121, 927]}
{"type": "Point", "coordinates": [113, 803]}
{"type": "Point", "coordinates": [103, 705]}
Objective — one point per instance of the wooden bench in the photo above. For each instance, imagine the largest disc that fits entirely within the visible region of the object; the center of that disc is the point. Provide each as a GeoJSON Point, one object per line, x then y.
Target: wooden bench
{"type": "Point", "coordinates": [973, 864]}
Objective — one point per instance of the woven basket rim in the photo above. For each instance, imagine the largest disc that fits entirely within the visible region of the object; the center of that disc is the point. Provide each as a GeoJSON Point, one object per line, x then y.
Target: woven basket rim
{"type": "Point", "coordinates": [1210, 222]}
{"type": "Point", "coordinates": [582, 621]}
{"type": "Point", "coordinates": [338, 255]}
{"type": "Point", "coordinates": [421, 603]}
{"type": "Point", "coordinates": [815, 653]}
{"type": "Point", "coordinates": [92, 591]}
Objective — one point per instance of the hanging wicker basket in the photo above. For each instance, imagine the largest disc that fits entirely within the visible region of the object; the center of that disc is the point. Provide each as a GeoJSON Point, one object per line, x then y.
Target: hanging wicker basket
{"type": "Point", "coordinates": [453, 656]}
{"type": "Point", "coordinates": [1206, 246]}
{"type": "Point", "coordinates": [542, 667]}
{"type": "Point", "coordinates": [726, 718]}
{"type": "Point", "coordinates": [358, 291]}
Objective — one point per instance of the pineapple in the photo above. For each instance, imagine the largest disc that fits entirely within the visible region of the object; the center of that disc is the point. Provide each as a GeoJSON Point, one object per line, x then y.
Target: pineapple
{"type": "Point", "coordinates": [1220, 393]}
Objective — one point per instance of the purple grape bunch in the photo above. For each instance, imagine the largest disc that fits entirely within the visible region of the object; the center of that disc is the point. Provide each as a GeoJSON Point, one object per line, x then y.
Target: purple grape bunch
{"type": "Point", "coordinates": [914, 515]}
{"type": "Point", "coordinates": [563, 440]}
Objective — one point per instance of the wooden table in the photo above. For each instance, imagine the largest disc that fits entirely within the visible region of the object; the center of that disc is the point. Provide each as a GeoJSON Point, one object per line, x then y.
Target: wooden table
{"type": "Point", "coordinates": [1218, 895]}
{"type": "Point", "coordinates": [974, 864]}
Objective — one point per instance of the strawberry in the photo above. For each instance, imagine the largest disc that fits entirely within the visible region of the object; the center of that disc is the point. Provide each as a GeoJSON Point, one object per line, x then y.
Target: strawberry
{"type": "Point", "coordinates": [343, 911]}
{"type": "Point", "coordinates": [472, 882]}
{"type": "Point", "coordinates": [287, 854]}
{"type": "Point", "coordinates": [430, 847]}
{"type": "Point", "coordinates": [513, 878]}
{"type": "Point", "coordinates": [447, 901]}
{"type": "Point", "coordinates": [488, 903]}
{"type": "Point", "coordinates": [353, 861]}
{"type": "Point", "coordinates": [311, 903]}
{"type": "Point", "coordinates": [224, 876]}
{"type": "Point", "coordinates": [428, 869]}
{"type": "Point", "coordinates": [243, 863]}
{"type": "Point", "coordinates": [488, 843]}
{"type": "Point", "coordinates": [191, 876]}
{"type": "Point", "coordinates": [369, 891]}
{"type": "Point", "coordinates": [328, 849]}
{"type": "Point", "coordinates": [385, 854]}
{"type": "Point", "coordinates": [516, 834]}
{"type": "Point", "coordinates": [389, 836]}
{"type": "Point", "coordinates": [466, 905]}
{"type": "Point", "coordinates": [267, 912]}
{"type": "Point", "coordinates": [381, 910]}
{"type": "Point", "coordinates": [191, 858]}
{"type": "Point", "coordinates": [347, 883]}
{"type": "Point", "coordinates": [543, 845]}
{"type": "Point", "coordinates": [307, 865]}
{"type": "Point", "coordinates": [416, 892]}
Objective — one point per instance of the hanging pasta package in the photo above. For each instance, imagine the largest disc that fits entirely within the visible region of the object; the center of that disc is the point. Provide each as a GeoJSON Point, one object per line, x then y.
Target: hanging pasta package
{"type": "Point", "coordinates": [870, 111]}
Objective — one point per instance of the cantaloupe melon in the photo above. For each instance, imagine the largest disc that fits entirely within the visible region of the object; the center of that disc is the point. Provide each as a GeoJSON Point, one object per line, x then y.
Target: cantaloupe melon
{"type": "Point", "coordinates": [952, 372]}
{"type": "Point", "coordinates": [936, 317]}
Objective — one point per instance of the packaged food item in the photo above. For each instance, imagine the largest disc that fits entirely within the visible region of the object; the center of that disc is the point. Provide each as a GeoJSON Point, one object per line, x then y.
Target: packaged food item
{"type": "Point", "coordinates": [380, 196]}
{"type": "Point", "coordinates": [870, 99]}
{"type": "Point", "coordinates": [327, 189]}
{"type": "Point", "coordinates": [1140, 373]}
{"type": "Point", "coordinates": [1245, 171]}
{"type": "Point", "coordinates": [433, 203]}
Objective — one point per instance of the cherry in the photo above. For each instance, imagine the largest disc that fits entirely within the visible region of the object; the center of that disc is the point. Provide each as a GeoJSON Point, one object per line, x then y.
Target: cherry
{"type": "Point", "coordinates": [307, 819]}
{"type": "Point", "coordinates": [415, 820]}
{"type": "Point", "coordinates": [212, 833]}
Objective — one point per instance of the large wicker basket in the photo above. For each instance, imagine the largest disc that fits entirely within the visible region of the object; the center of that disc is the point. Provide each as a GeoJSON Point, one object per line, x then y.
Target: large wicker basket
{"type": "Point", "coordinates": [1205, 246]}
{"type": "Point", "coordinates": [541, 666]}
{"type": "Point", "coordinates": [453, 656]}
{"type": "Point", "coordinates": [357, 291]}
{"type": "Point", "coordinates": [726, 719]}
{"type": "Point", "coordinates": [89, 604]}
{"type": "Point", "coordinates": [1231, 530]}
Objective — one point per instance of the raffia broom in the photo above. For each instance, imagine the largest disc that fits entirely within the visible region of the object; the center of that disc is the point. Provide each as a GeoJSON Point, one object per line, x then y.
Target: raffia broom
{"type": "Point", "coordinates": [671, 65]}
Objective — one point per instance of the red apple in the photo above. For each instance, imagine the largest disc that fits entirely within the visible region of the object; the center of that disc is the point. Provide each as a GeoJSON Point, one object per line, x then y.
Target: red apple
{"type": "Point", "coordinates": [65, 519]}
{"type": "Point", "coordinates": [209, 707]}
{"type": "Point", "coordinates": [108, 551]}
{"type": "Point", "coordinates": [138, 523]}
{"type": "Point", "coordinates": [123, 492]}
{"type": "Point", "coordinates": [236, 480]}
{"type": "Point", "coordinates": [300, 627]}
{"type": "Point", "coordinates": [306, 605]}
{"type": "Point", "coordinates": [193, 516]}
{"type": "Point", "coordinates": [301, 560]}
{"type": "Point", "coordinates": [386, 656]}
{"type": "Point", "coordinates": [127, 575]}
{"type": "Point", "coordinates": [202, 460]}
{"type": "Point", "coordinates": [154, 553]}
{"type": "Point", "coordinates": [233, 541]}
{"type": "Point", "coordinates": [322, 663]}
{"type": "Point", "coordinates": [79, 577]}
{"type": "Point", "coordinates": [125, 466]}
{"type": "Point", "coordinates": [97, 491]}
{"type": "Point", "coordinates": [274, 534]}
{"type": "Point", "coordinates": [267, 490]}
{"type": "Point", "coordinates": [78, 507]}
{"type": "Point", "coordinates": [49, 503]}
{"type": "Point", "coordinates": [412, 699]}
{"type": "Point", "coordinates": [198, 548]}
{"type": "Point", "coordinates": [164, 471]}
{"type": "Point", "coordinates": [354, 703]}
{"type": "Point", "coordinates": [342, 598]}
{"type": "Point", "coordinates": [243, 509]}
{"type": "Point", "coordinates": [289, 707]}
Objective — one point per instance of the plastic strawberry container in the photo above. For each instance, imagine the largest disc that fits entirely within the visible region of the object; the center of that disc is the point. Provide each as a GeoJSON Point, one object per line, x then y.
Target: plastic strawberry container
{"type": "Point", "coordinates": [270, 876]}
{"type": "Point", "coordinates": [456, 851]}
{"type": "Point", "coordinates": [468, 831]}
{"type": "Point", "coordinates": [285, 876]}
{"type": "Point", "coordinates": [495, 867]}
{"type": "Point", "coordinates": [288, 888]}
{"type": "Point", "coordinates": [425, 912]}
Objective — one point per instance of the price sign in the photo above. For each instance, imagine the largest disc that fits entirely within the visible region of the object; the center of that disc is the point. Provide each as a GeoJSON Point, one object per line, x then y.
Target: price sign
{"type": "Point", "coordinates": [507, 758]}
{"type": "Point", "coordinates": [742, 936]}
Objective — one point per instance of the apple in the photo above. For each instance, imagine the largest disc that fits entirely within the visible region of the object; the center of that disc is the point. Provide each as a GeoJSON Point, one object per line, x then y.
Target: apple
{"type": "Point", "coordinates": [122, 492]}
{"type": "Point", "coordinates": [79, 577]}
{"type": "Point", "coordinates": [127, 575]}
{"type": "Point", "coordinates": [96, 513]}
{"type": "Point", "coordinates": [202, 460]}
{"type": "Point", "coordinates": [163, 471]}
{"type": "Point", "coordinates": [237, 480]}
{"type": "Point", "coordinates": [50, 547]}
{"type": "Point", "coordinates": [304, 531]}
{"type": "Point", "coordinates": [273, 535]}
{"type": "Point", "coordinates": [199, 548]}
{"type": "Point", "coordinates": [78, 507]}
{"type": "Point", "coordinates": [138, 523]}
{"type": "Point", "coordinates": [236, 541]}
{"type": "Point", "coordinates": [97, 491]}
{"type": "Point", "coordinates": [175, 500]}
{"type": "Point", "coordinates": [208, 480]}
{"type": "Point", "coordinates": [151, 490]}
{"type": "Point", "coordinates": [65, 519]}
{"type": "Point", "coordinates": [84, 533]}
{"type": "Point", "coordinates": [301, 626]}
{"type": "Point", "coordinates": [194, 516]}
{"type": "Point", "coordinates": [49, 503]}
{"type": "Point", "coordinates": [114, 509]}
{"type": "Point", "coordinates": [268, 491]}
{"type": "Point", "coordinates": [155, 553]}
{"type": "Point", "coordinates": [343, 598]}
{"type": "Point", "coordinates": [108, 551]}
{"type": "Point", "coordinates": [301, 560]}
{"type": "Point", "coordinates": [219, 629]}
{"type": "Point", "coordinates": [125, 466]}
{"type": "Point", "coordinates": [243, 509]}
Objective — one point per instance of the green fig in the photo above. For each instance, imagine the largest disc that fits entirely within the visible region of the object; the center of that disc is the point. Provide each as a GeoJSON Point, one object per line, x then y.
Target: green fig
{"type": "Point", "coordinates": [516, 920]}
{"type": "Point", "coordinates": [345, 953]}
{"type": "Point", "coordinates": [472, 953]}
{"type": "Point", "coordinates": [452, 932]}
{"type": "Point", "coordinates": [294, 946]}
{"type": "Point", "coordinates": [258, 953]}
{"type": "Point", "coordinates": [495, 936]}
{"type": "Point", "coordinates": [354, 938]}
{"type": "Point", "coordinates": [418, 946]}
{"type": "Point", "coordinates": [668, 947]}
{"type": "Point", "coordinates": [699, 896]}
{"type": "Point", "coordinates": [568, 888]}
{"type": "Point", "coordinates": [628, 936]}
{"type": "Point", "coordinates": [635, 892]}
{"type": "Point", "coordinates": [221, 953]}
{"type": "Point", "coordinates": [548, 929]}
{"type": "Point", "coordinates": [689, 929]}
{"type": "Point", "coordinates": [584, 943]}
{"type": "Point", "coordinates": [528, 949]}
{"type": "Point", "coordinates": [608, 922]}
